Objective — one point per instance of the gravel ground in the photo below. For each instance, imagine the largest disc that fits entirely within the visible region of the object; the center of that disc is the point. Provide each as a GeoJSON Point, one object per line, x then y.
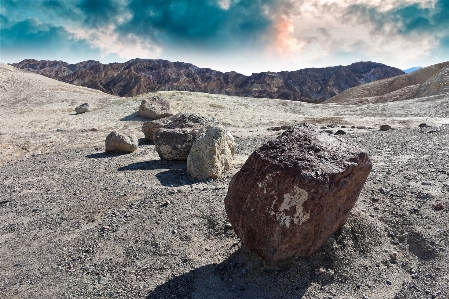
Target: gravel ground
{"type": "Point", "coordinates": [84, 224]}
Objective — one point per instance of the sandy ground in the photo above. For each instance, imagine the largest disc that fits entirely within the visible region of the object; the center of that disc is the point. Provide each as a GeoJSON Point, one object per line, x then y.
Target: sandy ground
{"type": "Point", "coordinates": [78, 223]}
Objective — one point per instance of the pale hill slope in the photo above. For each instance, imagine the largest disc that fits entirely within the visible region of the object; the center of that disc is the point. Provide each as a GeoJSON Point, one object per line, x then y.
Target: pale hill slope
{"type": "Point", "coordinates": [429, 81]}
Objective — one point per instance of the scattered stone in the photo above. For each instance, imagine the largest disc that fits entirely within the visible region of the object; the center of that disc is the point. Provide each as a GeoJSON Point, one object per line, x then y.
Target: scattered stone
{"type": "Point", "coordinates": [155, 108]}
{"type": "Point", "coordinates": [385, 128]}
{"type": "Point", "coordinates": [228, 225]}
{"type": "Point", "coordinates": [211, 154]}
{"type": "Point", "coordinates": [174, 140]}
{"type": "Point", "coordinates": [340, 132]}
{"type": "Point", "coordinates": [438, 206]}
{"type": "Point", "coordinates": [294, 192]}
{"type": "Point", "coordinates": [94, 130]}
{"type": "Point", "coordinates": [361, 127]}
{"type": "Point", "coordinates": [425, 196]}
{"type": "Point", "coordinates": [59, 130]}
{"type": "Point", "coordinates": [393, 257]}
{"type": "Point", "coordinates": [423, 125]}
{"type": "Point", "coordinates": [121, 143]}
{"type": "Point", "coordinates": [83, 108]}
{"type": "Point", "coordinates": [149, 128]}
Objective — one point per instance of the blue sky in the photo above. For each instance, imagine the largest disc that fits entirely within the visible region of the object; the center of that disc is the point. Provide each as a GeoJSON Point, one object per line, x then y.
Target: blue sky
{"type": "Point", "coordinates": [241, 35]}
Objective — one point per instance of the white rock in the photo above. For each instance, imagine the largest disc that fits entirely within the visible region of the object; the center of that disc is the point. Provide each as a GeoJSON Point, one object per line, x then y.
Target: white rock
{"type": "Point", "coordinates": [121, 143]}
{"type": "Point", "coordinates": [212, 153]}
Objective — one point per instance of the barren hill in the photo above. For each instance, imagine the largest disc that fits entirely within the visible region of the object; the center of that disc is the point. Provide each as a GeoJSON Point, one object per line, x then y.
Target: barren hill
{"type": "Point", "coordinates": [140, 76]}
{"type": "Point", "coordinates": [79, 223]}
{"type": "Point", "coordinates": [429, 81]}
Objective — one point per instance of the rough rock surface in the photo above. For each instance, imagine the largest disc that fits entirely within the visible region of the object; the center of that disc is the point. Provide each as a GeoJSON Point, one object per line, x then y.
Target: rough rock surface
{"type": "Point", "coordinates": [149, 128]}
{"type": "Point", "coordinates": [120, 143]}
{"type": "Point", "coordinates": [174, 140]}
{"type": "Point", "coordinates": [140, 76]}
{"type": "Point", "coordinates": [294, 192]}
{"type": "Point", "coordinates": [212, 153]}
{"type": "Point", "coordinates": [83, 108]}
{"type": "Point", "coordinates": [155, 108]}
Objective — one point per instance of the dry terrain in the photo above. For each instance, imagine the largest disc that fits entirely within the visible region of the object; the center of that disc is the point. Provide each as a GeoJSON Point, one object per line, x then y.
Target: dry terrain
{"type": "Point", "coordinates": [78, 223]}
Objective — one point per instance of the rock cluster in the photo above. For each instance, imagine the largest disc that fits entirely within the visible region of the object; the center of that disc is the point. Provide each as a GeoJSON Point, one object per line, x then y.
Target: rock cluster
{"type": "Point", "coordinates": [149, 128]}
{"type": "Point", "coordinates": [294, 192]}
{"type": "Point", "coordinates": [155, 108]}
{"type": "Point", "coordinates": [174, 140]}
{"type": "Point", "coordinates": [121, 143]}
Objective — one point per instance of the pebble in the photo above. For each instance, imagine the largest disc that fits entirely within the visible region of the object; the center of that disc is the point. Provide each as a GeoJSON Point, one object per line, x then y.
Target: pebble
{"type": "Point", "coordinates": [340, 132]}
{"type": "Point", "coordinates": [393, 256]}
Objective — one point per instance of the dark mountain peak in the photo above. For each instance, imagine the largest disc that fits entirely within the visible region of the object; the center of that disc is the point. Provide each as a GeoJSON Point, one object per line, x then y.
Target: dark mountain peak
{"type": "Point", "coordinates": [139, 76]}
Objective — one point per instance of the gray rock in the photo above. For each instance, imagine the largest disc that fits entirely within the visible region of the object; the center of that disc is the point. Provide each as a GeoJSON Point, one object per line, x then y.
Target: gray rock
{"type": "Point", "coordinates": [174, 140]}
{"type": "Point", "coordinates": [121, 143]}
{"type": "Point", "coordinates": [211, 154]}
{"type": "Point", "coordinates": [155, 108]}
{"type": "Point", "coordinates": [149, 128]}
{"type": "Point", "coordinates": [385, 127]}
{"type": "Point", "coordinates": [83, 108]}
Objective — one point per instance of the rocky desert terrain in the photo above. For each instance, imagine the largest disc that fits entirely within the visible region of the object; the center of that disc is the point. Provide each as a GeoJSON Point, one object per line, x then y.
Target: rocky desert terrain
{"type": "Point", "coordinates": [79, 223]}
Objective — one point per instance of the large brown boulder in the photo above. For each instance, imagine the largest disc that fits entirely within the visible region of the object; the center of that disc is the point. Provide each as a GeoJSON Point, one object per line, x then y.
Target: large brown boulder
{"type": "Point", "coordinates": [174, 140]}
{"type": "Point", "coordinates": [295, 191]}
{"type": "Point", "coordinates": [155, 108]}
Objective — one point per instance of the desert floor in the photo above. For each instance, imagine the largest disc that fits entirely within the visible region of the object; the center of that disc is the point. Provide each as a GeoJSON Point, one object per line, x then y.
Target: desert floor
{"type": "Point", "coordinates": [76, 222]}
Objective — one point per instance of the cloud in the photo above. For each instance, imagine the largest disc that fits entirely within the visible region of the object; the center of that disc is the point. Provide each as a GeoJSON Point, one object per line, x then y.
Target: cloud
{"type": "Point", "coordinates": [407, 19]}
{"type": "Point", "coordinates": [199, 24]}
{"type": "Point", "coordinates": [32, 39]}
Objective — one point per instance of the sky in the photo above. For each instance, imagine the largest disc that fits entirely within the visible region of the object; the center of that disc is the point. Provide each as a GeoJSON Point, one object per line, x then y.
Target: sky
{"type": "Point", "coordinates": [228, 35]}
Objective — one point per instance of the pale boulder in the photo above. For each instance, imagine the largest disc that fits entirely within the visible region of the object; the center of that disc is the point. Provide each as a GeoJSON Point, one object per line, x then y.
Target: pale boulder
{"type": "Point", "coordinates": [83, 108]}
{"type": "Point", "coordinates": [120, 143]}
{"type": "Point", "coordinates": [155, 108]}
{"type": "Point", "coordinates": [212, 153]}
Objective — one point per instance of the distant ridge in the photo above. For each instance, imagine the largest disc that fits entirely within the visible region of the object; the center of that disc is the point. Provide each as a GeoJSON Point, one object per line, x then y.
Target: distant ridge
{"type": "Point", "coordinates": [429, 81]}
{"type": "Point", "coordinates": [412, 69]}
{"type": "Point", "coordinates": [140, 76]}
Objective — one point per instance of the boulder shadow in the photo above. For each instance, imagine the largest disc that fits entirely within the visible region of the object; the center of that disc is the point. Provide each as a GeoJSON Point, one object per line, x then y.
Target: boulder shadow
{"type": "Point", "coordinates": [242, 275]}
{"type": "Point", "coordinates": [134, 117]}
{"type": "Point", "coordinates": [104, 155]}
{"type": "Point", "coordinates": [175, 174]}
{"type": "Point", "coordinates": [144, 141]}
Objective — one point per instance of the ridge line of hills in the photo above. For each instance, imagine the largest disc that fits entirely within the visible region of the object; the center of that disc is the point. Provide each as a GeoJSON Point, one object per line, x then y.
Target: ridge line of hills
{"type": "Point", "coordinates": [138, 76]}
{"type": "Point", "coordinates": [429, 81]}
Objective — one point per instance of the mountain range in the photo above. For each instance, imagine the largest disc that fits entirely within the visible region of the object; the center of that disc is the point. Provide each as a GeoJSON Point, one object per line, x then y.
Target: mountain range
{"type": "Point", "coordinates": [138, 76]}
